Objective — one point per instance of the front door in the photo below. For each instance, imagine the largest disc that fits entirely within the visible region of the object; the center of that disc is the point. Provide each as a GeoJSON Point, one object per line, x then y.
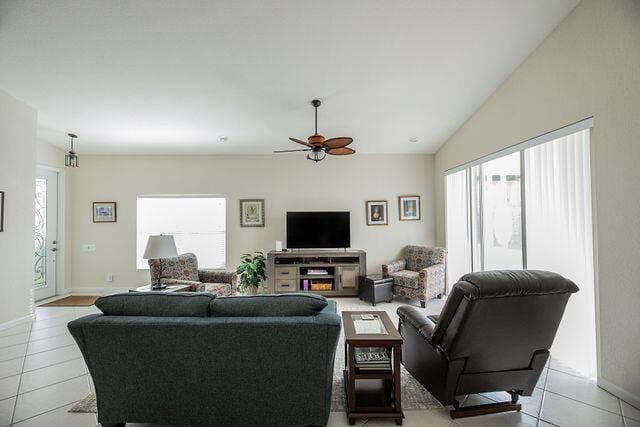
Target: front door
{"type": "Point", "coordinates": [46, 239]}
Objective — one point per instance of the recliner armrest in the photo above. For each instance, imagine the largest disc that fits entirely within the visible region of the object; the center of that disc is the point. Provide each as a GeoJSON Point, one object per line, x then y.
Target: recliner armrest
{"type": "Point", "coordinates": [418, 319]}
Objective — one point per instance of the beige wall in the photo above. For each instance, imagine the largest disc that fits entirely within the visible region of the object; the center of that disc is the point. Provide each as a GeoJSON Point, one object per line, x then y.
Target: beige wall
{"type": "Point", "coordinates": [17, 169]}
{"type": "Point", "coordinates": [286, 182]}
{"type": "Point", "coordinates": [589, 66]}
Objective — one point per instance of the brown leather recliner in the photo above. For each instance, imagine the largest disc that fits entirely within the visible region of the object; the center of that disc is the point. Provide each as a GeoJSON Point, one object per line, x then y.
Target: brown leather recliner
{"type": "Point", "coordinates": [494, 334]}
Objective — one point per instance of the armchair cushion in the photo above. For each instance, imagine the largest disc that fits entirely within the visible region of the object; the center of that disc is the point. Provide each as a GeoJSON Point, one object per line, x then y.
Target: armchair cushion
{"type": "Point", "coordinates": [219, 289]}
{"type": "Point", "coordinates": [182, 267]}
{"type": "Point", "coordinates": [393, 267]}
{"type": "Point", "coordinates": [407, 279]}
{"type": "Point", "coordinates": [419, 257]}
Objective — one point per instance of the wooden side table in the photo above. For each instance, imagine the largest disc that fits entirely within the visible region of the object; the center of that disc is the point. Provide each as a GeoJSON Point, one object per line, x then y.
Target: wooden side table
{"type": "Point", "coordinates": [372, 394]}
{"type": "Point", "coordinates": [168, 289]}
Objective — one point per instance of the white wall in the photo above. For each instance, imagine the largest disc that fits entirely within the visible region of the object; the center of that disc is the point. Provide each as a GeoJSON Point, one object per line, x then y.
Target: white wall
{"type": "Point", "coordinates": [286, 182]}
{"type": "Point", "coordinates": [17, 169]}
{"type": "Point", "coordinates": [589, 66]}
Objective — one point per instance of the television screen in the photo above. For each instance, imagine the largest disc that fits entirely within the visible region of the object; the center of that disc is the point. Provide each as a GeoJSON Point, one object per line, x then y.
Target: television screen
{"type": "Point", "coordinates": [318, 230]}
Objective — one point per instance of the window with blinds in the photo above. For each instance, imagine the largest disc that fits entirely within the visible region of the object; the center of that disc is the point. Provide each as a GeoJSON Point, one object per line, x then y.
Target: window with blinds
{"type": "Point", "coordinates": [197, 223]}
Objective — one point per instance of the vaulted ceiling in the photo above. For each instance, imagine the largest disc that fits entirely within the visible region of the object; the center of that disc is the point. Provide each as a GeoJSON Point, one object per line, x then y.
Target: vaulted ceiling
{"type": "Point", "coordinates": [171, 77]}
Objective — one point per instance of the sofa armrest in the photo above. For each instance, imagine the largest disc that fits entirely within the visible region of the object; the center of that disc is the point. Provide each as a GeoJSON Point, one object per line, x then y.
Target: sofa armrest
{"type": "Point", "coordinates": [393, 267]}
{"type": "Point", "coordinates": [418, 319]}
{"type": "Point", "coordinates": [195, 286]}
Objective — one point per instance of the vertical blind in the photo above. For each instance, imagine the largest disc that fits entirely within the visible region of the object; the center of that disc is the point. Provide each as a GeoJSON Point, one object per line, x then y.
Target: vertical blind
{"type": "Point", "coordinates": [197, 223]}
{"type": "Point", "coordinates": [531, 208]}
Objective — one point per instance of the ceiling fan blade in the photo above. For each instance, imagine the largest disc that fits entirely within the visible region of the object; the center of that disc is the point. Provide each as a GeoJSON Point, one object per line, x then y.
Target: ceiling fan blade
{"type": "Point", "coordinates": [342, 151]}
{"type": "Point", "coordinates": [339, 142]}
{"type": "Point", "coordinates": [301, 142]}
{"type": "Point", "coordinates": [291, 151]}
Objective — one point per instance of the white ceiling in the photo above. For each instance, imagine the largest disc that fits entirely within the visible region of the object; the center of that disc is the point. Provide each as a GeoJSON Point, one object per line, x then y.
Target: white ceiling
{"type": "Point", "coordinates": [170, 77]}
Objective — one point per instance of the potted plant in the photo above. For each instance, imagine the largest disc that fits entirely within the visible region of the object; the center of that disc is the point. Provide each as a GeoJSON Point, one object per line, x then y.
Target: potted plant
{"type": "Point", "coordinates": [251, 272]}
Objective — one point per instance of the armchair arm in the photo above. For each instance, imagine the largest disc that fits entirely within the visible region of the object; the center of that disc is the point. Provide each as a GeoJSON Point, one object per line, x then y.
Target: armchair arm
{"type": "Point", "coordinates": [393, 267]}
{"type": "Point", "coordinates": [417, 319]}
{"type": "Point", "coordinates": [432, 279]}
{"type": "Point", "coordinates": [218, 276]}
{"type": "Point", "coordinates": [195, 286]}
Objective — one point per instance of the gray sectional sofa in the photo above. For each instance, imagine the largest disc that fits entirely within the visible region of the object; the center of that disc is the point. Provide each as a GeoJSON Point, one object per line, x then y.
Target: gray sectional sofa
{"type": "Point", "coordinates": [197, 359]}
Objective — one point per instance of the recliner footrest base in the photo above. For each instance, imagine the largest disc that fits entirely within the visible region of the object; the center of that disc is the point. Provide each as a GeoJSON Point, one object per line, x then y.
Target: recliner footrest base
{"type": "Point", "coordinates": [489, 408]}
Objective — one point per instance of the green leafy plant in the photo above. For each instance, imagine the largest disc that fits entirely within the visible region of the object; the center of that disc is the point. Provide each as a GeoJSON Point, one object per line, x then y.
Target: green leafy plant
{"type": "Point", "coordinates": [251, 272]}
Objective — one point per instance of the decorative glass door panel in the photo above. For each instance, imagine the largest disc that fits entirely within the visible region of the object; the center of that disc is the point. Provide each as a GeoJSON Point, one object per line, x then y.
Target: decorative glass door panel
{"type": "Point", "coordinates": [46, 209]}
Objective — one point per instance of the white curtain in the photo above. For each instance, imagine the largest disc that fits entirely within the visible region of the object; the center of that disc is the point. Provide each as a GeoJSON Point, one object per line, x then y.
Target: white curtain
{"type": "Point", "coordinates": [457, 227]}
{"type": "Point", "coordinates": [559, 238]}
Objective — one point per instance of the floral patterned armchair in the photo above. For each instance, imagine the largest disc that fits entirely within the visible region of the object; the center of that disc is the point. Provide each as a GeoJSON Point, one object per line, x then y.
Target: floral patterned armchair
{"type": "Point", "coordinates": [183, 270]}
{"type": "Point", "coordinates": [420, 275]}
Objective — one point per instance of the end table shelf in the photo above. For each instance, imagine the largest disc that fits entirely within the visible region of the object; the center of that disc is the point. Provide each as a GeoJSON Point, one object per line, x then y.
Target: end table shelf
{"type": "Point", "coordinates": [373, 394]}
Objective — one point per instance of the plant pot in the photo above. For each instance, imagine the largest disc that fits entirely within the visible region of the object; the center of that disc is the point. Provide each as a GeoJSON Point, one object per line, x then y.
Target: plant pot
{"type": "Point", "coordinates": [251, 291]}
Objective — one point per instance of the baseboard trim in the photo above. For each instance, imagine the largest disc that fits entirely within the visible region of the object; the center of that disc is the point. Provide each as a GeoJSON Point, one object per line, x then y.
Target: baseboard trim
{"type": "Point", "coordinates": [619, 392]}
{"type": "Point", "coordinates": [97, 291]}
{"type": "Point", "coordinates": [15, 322]}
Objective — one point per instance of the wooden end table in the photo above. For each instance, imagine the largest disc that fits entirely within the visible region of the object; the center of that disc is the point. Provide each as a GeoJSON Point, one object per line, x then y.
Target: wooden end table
{"type": "Point", "coordinates": [372, 394]}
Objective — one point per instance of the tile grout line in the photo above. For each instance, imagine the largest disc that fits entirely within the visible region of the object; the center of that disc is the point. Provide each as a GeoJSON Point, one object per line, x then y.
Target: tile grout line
{"type": "Point", "coordinates": [42, 413]}
{"type": "Point", "coordinates": [584, 403]}
{"type": "Point", "coordinates": [624, 420]}
{"type": "Point", "coordinates": [24, 360]}
{"type": "Point", "coordinates": [49, 385]}
{"type": "Point", "coordinates": [544, 393]}
{"type": "Point", "coordinates": [48, 366]}
{"type": "Point", "coordinates": [51, 349]}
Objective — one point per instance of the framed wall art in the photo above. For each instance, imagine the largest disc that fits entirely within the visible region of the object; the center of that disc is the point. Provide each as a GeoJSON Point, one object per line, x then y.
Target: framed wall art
{"type": "Point", "coordinates": [409, 208]}
{"type": "Point", "coordinates": [251, 212]}
{"type": "Point", "coordinates": [377, 212]}
{"type": "Point", "coordinates": [104, 212]}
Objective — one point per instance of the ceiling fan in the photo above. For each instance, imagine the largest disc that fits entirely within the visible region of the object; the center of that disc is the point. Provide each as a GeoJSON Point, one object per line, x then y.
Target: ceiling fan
{"type": "Point", "coordinates": [318, 147]}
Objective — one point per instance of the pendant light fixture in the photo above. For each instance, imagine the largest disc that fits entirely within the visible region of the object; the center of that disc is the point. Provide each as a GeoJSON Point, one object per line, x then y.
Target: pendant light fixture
{"type": "Point", "coordinates": [71, 159]}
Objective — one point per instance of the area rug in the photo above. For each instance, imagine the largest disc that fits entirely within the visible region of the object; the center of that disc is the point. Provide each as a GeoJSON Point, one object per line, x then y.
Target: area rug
{"type": "Point", "coordinates": [414, 395]}
{"type": "Point", "coordinates": [73, 301]}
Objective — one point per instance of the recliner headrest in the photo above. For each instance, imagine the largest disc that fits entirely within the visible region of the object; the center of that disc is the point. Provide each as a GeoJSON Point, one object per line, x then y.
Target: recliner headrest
{"type": "Point", "coordinates": [503, 283]}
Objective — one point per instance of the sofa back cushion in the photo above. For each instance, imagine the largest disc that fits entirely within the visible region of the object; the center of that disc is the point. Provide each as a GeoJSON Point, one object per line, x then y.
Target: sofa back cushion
{"type": "Point", "coordinates": [156, 304]}
{"type": "Point", "coordinates": [182, 267]}
{"type": "Point", "coordinates": [268, 305]}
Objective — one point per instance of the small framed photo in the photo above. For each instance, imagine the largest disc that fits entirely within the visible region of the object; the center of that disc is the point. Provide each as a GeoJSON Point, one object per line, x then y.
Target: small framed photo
{"type": "Point", "coordinates": [104, 212]}
{"type": "Point", "coordinates": [409, 208]}
{"type": "Point", "coordinates": [251, 212]}
{"type": "Point", "coordinates": [377, 212]}
{"type": "Point", "coordinates": [1, 211]}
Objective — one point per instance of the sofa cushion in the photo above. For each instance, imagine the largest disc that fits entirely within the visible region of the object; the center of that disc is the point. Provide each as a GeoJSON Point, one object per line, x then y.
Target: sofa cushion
{"type": "Point", "coordinates": [406, 278]}
{"type": "Point", "coordinates": [268, 305]}
{"type": "Point", "coordinates": [156, 304]}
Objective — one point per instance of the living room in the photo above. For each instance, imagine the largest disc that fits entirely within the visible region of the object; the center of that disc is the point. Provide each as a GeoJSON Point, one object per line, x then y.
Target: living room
{"type": "Point", "coordinates": [408, 170]}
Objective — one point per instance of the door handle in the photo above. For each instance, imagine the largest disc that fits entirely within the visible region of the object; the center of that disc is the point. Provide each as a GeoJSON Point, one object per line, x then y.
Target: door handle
{"type": "Point", "coordinates": [54, 249]}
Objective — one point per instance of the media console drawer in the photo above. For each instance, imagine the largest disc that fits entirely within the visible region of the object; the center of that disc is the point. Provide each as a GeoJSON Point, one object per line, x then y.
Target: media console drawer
{"type": "Point", "coordinates": [286, 285]}
{"type": "Point", "coordinates": [285, 272]}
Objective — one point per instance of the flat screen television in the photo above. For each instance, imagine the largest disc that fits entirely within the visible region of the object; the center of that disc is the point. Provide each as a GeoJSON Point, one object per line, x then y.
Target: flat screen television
{"type": "Point", "coordinates": [318, 230]}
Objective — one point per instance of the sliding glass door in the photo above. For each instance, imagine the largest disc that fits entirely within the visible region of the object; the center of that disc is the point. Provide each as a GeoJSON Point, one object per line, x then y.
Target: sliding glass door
{"type": "Point", "coordinates": [531, 208]}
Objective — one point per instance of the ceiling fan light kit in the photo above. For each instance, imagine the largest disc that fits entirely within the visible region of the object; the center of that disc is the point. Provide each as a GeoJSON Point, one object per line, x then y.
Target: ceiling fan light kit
{"type": "Point", "coordinates": [318, 147]}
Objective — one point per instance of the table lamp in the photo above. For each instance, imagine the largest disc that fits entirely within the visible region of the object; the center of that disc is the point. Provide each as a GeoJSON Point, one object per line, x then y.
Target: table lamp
{"type": "Point", "coordinates": [158, 247]}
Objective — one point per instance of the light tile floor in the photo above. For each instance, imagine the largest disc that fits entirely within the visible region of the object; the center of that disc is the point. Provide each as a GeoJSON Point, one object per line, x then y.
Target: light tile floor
{"type": "Point", "coordinates": [42, 374]}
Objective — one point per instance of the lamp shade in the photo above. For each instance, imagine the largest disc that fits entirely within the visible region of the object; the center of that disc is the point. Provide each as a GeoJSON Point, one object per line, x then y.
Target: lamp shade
{"type": "Point", "coordinates": [162, 246]}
